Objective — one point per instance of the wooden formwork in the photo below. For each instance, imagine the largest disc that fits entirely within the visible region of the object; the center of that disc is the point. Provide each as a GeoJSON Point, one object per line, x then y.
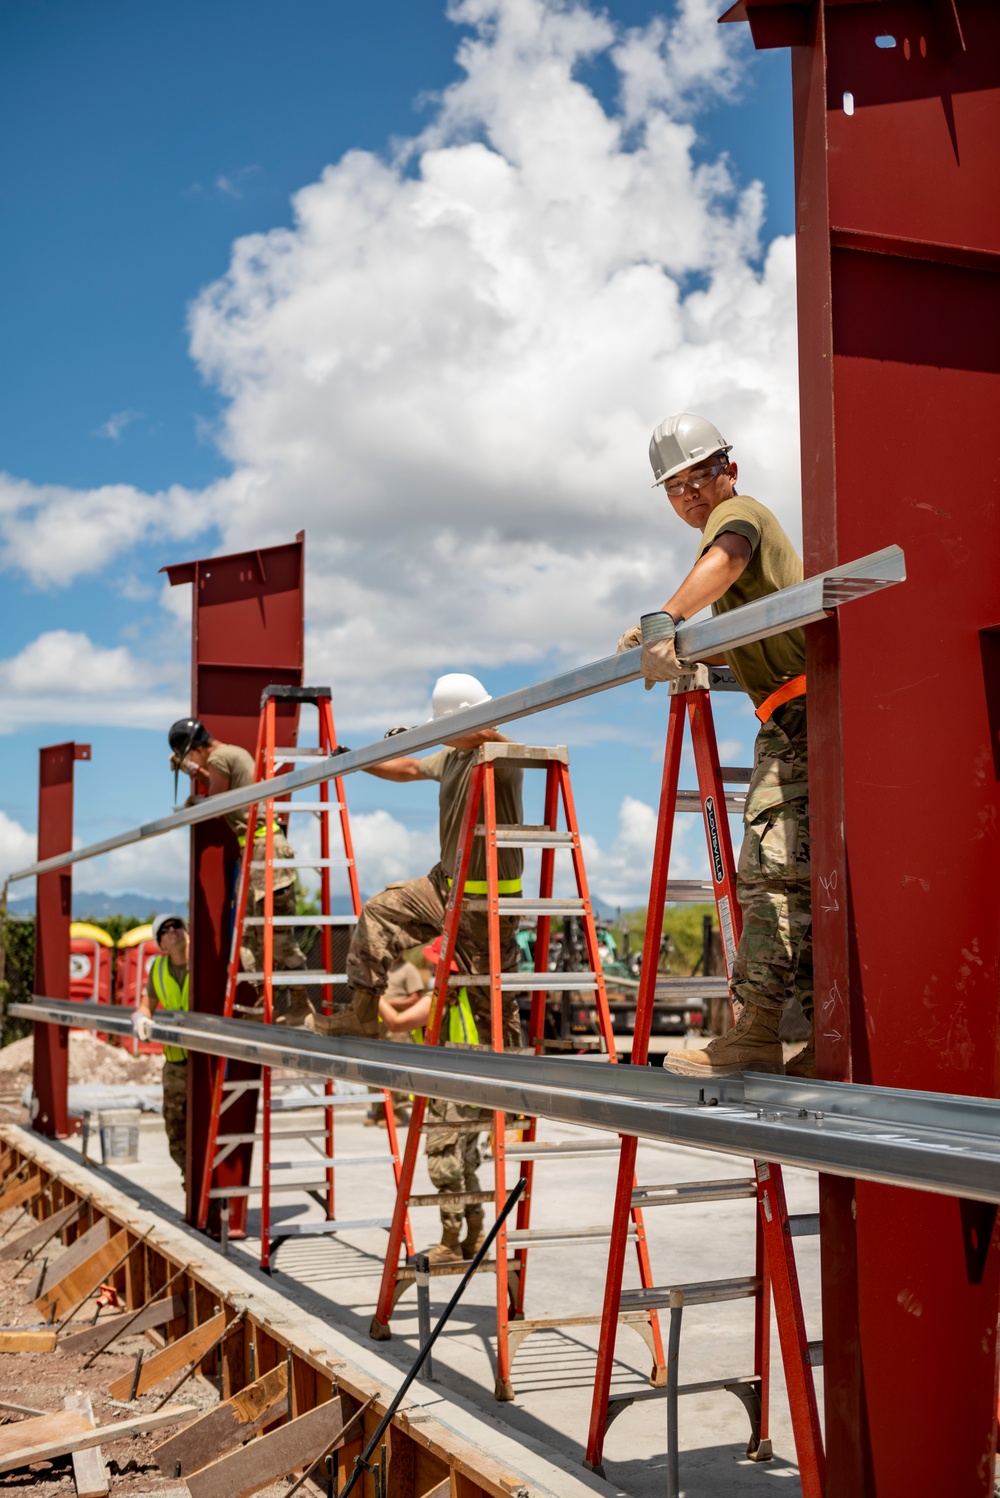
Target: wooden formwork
{"type": "Point", "coordinates": [426, 1459]}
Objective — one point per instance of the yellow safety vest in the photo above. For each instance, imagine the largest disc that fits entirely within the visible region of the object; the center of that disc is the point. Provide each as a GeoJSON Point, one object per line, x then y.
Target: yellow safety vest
{"type": "Point", "coordinates": [480, 886]}
{"type": "Point", "coordinates": [169, 995]}
{"type": "Point", "coordinates": [462, 1029]}
{"type": "Point", "coordinates": [260, 832]}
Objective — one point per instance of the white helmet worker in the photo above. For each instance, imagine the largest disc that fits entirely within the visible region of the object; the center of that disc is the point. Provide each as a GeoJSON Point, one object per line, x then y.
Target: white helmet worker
{"type": "Point", "coordinates": [455, 691]}
{"type": "Point", "coordinates": [680, 441]}
{"type": "Point", "coordinates": [160, 921]}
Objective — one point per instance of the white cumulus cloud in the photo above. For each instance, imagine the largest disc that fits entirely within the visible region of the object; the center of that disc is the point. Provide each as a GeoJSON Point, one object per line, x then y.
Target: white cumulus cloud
{"type": "Point", "coordinates": [63, 677]}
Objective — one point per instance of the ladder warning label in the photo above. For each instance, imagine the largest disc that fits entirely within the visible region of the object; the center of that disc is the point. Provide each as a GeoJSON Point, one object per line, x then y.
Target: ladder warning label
{"type": "Point", "coordinates": [726, 926]}
{"type": "Point", "coordinates": [714, 842]}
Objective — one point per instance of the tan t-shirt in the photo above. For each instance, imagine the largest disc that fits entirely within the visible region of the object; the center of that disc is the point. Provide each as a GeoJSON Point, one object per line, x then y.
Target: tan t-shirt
{"type": "Point", "coordinates": [453, 768]}
{"type": "Point", "coordinates": [761, 667]}
{"type": "Point", "coordinates": [405, 980]}
{"type": "Point", "coordinates": [237, 764]}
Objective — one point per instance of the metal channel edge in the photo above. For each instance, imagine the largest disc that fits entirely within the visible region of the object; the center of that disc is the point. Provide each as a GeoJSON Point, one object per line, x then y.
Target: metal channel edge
{"type": "Point", "coordinates": [948, 1145]}
{"type": "Point", "coordinates": [791, 608]}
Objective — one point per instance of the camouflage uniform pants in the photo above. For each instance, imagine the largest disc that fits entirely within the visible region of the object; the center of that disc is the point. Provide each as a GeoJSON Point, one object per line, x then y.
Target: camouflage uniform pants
{"type": "Point", "coordinates": [291, 1006]}
{"type": "Point", "coordinates": [175, 1093]}
{"type": "Point", "coordinates": [453, 1159]}
{"type": "Point", "coordinates": [774, 958]}
{"type": "Point", "coordinates": [410, 914]}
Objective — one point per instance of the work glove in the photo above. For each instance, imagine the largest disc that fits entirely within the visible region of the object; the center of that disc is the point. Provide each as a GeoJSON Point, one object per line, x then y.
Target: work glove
{"type": "Point", "coordinates": [142, 1025]}
{"type": "Point", "coordinates": [658, 661]}
{"type": "Point", "coordinates": [391, 733]}
{"type": "Point", "coordinates": [340, 749]}
{"type": "Point", "coordinates": [630, 639]}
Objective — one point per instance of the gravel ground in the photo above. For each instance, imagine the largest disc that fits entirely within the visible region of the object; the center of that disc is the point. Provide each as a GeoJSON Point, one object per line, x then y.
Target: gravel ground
{"type": "Point", "coordinates": [90, 1060]}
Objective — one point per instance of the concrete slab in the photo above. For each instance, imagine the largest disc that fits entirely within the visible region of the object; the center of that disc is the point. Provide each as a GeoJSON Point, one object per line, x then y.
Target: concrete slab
{"type": "Point", "coordinates": [336, 1280]}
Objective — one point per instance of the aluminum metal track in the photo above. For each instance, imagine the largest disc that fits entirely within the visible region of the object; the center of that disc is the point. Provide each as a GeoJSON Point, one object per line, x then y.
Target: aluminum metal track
{"type": "Point", "coordinates": [925, 1140]}
{"type": "Point", "coordinates": [791, 608]}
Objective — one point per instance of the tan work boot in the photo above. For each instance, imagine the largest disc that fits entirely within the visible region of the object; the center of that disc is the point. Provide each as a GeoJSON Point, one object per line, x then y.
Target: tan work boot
{"type": "Point", "coordinates": [803, 1063]}
{"type": "Point", "coordinates": [751, 1045]}
{"type": "Point", "coordinates": [474, 1232]}
{"type": "Point", "coordinates": [447, 1251]}
{"type": "Point", "coordinates": [343, 1022]}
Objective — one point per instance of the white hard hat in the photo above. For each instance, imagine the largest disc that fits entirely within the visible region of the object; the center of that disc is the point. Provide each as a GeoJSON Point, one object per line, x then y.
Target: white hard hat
{"type": "Point", "coordinates": [455, 691]}
{"type": "Point", "coordinates": [160, 921]}
{"type": "Point", "coordinates": [680, 441]}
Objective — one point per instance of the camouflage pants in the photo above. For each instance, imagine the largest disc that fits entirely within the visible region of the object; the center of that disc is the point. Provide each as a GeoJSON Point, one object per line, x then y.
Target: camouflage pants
{"type": "Point", "coordinates": [290, 1005]}
{"type": "Point", "coordinates": [175, 1093]}
{"type": "Point", "coordinates": [774, 958]}
{"type": "Point", "coordinates": [453, 1159]}
{"type": "Point", "coordinates": [411, 914]}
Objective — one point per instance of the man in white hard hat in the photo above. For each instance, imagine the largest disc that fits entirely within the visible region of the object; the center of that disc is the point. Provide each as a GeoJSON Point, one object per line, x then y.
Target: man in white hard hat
{"type": "Point", "coordinates": [411, 913]}
{"type": "Point", "coordinates": [743, 554]}
{"type": "Point", "coordinates": [167, 988]}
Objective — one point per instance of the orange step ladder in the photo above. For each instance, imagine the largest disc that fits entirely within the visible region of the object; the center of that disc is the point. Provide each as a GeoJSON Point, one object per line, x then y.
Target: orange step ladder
{"type": "Point", "coordinates": [511, 1273]}
{"type": "Point", "coordinates": [776, 1274]}
{"type": "Point", "coordinates": [319, 1160]}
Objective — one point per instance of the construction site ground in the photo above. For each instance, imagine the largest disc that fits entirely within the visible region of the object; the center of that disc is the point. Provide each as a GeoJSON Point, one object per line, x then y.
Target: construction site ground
{"type": "Point", "coordinates": [336, 1280]}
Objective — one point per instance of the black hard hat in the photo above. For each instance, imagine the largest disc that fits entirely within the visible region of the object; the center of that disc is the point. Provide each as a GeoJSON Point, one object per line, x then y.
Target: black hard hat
{"type": "Point", "coordinates": [187, 734]}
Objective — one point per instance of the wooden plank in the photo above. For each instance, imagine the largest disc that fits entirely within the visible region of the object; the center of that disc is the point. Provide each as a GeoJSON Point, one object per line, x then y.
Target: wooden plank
{"type": "Point", "coordinates": [228, 1425]}
{"type": "Point", "coordinates": [77, 1285]}
{"type": "Point", "coordinates": [28, 1341]}
{"type": "Point", "coordinates": [15, 1195]}
{"type": "Point", "coordinates": [85, 1245]}
{"type": "Point", "coordinates": [89, 1471]}
{"type": "Point", "coordinates": [443, 1490]}
{"type": "Point", "coordinates": [187, 1349]}
{"type": "Point", "coordinates": [37, 1449]}
{"type": "Point", "coordinates": [271, 1457]}
{"type": "Point", "coordinates": [39, 1431]}
{"type": "Point", "coordinates": [40, 1233]}
{"type": "Point", "coordinates": [95, 1338]}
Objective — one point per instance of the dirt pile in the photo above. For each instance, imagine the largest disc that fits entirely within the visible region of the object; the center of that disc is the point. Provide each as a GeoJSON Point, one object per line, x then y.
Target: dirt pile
{"type": "Point", "coordinates": [90, 1060]}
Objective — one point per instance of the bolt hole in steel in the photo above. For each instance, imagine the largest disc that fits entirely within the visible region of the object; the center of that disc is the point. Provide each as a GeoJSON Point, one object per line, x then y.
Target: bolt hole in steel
{"type": "Point", "coordinates": [885, 41]}
{"type": "Point", "coordinates": [848, 103]}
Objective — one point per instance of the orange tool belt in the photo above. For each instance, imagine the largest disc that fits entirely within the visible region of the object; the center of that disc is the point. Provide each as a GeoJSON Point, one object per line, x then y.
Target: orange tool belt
{"type": "Point", "coordinates": [788, 689]}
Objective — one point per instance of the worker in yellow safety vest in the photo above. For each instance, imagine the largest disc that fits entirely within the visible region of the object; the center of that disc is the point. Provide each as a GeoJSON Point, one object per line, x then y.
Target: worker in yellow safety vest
{"type": "Point", "coordinates": [452, 1153]}
{"type": "Point", "coordinates": [167, 987]}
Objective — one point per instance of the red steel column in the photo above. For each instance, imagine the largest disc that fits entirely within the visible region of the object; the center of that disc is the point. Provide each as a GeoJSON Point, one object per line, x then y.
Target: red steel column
{"type": "Point", "coordinates": [248, 623]}
{"type": "Point", "coordinates": [897, 120]}
{"type": "Point", "coordinates": [53, 913]}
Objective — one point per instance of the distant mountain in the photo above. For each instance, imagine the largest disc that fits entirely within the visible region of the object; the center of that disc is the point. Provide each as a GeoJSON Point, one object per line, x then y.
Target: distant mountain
{"type": "Point", "coordinates": [98, 905]}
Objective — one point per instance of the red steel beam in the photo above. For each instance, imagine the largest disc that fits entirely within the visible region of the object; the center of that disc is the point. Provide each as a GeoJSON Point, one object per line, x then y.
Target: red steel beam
{"type": "Point", "coordinates": [53, 913]}
{"type": "Point", "coordinates": [248, 624]}
{"type": "Point", "coordinates": [898, 249]}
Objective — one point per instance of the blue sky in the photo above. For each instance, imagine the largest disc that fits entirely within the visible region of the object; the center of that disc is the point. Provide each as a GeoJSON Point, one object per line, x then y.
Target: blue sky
{"type": "Point", "coordinates": [145, 142]}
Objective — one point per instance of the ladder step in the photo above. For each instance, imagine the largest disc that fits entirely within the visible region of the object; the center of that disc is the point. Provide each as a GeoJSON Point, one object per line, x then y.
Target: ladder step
{"type": "Point", "coordinates": [307, 1104]}
{"type": "Point", "coordinates": [700, 1293]}
{"type": "Point", "coordinates": [552, 1237]}
{"type": "Point", "coordinates": [330, 1225]}
{"type": "Point", "coordinates": [277, 1189]}
{"type": "Point", "coordinates": [406, 1273]}
{"type": "Point", "coordinates": [451, 1199]}
{"type": "Point", "coordinates": [307, 805]}
{"type": "Point", "coordinates": [303, 920]}
{"type": "Point", "coordinates": [691, 801]}
{"type": "Point", "coordinates": [706, 1386]}
{"type": "Point", "coordinates": [581, 1318]}
{"type": "Point", "coordinates": [331, 1161]}
{"type": "Point", "coordinates": [680, 1192]}
{"type": "Point", "coordinates": [803, 1224]}
{"type": "Point", "coordinates": [303, 863]}
{"type": "Point", "coordinates": [242, 1086]}
{"type": "Point", "coordinates": [518, 905]}
{"type": "Point", "coordinates": [538, 1151]}
{"type": "Point", "coordinates": [531, 837]}
{"type": "Point", "coordinates": [735, 774]}
{"type": "Point", "coordinates": [287, 978]}
{"type": "Point", "coordinates": [521, 982]}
